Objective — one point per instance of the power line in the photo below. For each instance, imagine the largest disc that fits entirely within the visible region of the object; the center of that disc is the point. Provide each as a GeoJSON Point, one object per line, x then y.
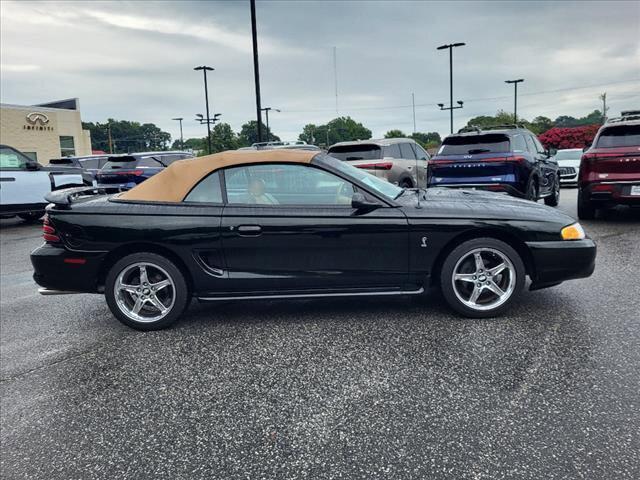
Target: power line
{"type": "Point", "coordinates": [480, 99]}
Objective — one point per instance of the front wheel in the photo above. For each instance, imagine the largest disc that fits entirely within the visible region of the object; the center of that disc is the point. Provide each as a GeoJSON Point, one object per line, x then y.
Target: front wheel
{"type": "Point", "coordinates": [481, 278]}
{"type": "Point", "coordinates": [554, 199]}
{"type": "Point", "coordinates": [146, 291]}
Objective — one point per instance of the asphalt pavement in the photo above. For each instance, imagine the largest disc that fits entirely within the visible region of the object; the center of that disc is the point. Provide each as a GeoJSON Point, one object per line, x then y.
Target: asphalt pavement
{"type": "Point", "coordinates": [389, 388]}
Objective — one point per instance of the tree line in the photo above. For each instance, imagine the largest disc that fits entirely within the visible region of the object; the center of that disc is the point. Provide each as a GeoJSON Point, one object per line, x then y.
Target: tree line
{"type": "Point", "coordinates": [123, 136]}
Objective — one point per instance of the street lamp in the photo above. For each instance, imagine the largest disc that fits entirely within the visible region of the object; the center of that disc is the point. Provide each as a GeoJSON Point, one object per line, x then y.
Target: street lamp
{"type": "Point", "coordinates": [179, 119]}
{"type": "Point", "coordinates": [515, 98]}
{"type": "Point", "coordinates": [451, 108]}
{"type": "Point", "coordinates": [206, 69]}
{"type": "Point", "coordinates": [266, 110]}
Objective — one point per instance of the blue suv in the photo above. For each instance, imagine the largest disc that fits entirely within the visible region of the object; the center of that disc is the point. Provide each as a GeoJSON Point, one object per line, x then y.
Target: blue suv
{"type": "Point", "coordinates": [507, 158]}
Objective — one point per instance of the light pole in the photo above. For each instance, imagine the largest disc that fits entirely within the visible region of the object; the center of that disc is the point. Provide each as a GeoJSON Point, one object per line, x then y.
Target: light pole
{"type": "Point", "coordinates": [206, 69]}
{"type": "Point", "coordinates": [266, 110]}
{"type": "Point", "coordinates": [179, 119]}
{"type": "Point", "coordinates": [451, 108]}
{"type": "Point", "coordinates": [515, 98]}
{"type": "Point", "coordinates": [256, 68]}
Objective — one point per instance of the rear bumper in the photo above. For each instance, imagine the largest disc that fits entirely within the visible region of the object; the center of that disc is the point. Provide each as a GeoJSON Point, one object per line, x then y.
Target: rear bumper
{"type": "Point", "coordinates": [555, 262]}
{"type": "Point", "coordinates": [612, 192]}
{"type": "Point", "coordinates": [489, 187]}
{"type": "Point", "coordinates": [56, 268]}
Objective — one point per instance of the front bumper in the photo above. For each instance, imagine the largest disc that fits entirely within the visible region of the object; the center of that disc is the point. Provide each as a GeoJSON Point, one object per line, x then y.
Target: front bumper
{"type": "Point", "coordinates": [56, 268]}
{"type": "Point", "coordinates": [555, 262]}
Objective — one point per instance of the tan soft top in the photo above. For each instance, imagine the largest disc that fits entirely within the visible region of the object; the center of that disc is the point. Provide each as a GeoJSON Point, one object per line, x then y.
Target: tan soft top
{"type": "Point", "coordinates": [177, 180]}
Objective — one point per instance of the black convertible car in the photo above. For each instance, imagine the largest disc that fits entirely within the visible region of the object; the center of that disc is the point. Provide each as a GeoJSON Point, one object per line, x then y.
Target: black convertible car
{"type": "Point", "coordinates": [289, 224]}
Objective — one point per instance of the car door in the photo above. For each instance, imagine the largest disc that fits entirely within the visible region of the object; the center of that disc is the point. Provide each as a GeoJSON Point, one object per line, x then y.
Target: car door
{"type": "Point", "coordinates": [291, 228]}
{"type": "Point", "coordinates": [20, 188]}
{"type": "Point", "coordinates": [537, 164]}
{"type": "Point", "coordinates": [548, 166]}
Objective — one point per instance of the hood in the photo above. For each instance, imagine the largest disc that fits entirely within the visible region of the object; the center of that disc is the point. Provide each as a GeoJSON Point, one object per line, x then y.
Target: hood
{"type": "Point", "coordinates": [458, 203]}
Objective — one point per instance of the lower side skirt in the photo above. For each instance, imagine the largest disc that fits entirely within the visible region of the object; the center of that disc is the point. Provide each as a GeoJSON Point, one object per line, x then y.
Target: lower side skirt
{"type": "Point", "coordinates": [312, 295]}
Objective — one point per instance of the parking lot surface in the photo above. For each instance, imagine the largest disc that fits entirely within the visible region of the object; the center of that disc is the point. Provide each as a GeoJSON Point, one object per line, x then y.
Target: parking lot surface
{"type": "Point", "coordinates": [342, 388]}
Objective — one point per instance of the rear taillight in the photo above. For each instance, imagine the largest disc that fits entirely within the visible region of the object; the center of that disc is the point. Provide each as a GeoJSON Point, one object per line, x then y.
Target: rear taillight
{"type": "Point", "coordinates": [376, 166]}
{"type": "Point", "coordinates": [137, 173]}
{"type": "Point", "coordinates": [586, 166]}
{"type": "Point", "coordinates": [48, 232]}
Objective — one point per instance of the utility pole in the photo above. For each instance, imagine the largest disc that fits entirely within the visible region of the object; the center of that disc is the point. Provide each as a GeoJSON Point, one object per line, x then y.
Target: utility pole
{"type": "Point", "coordinates": [266, 111]}
{"type": "Point", "coordinates": [110, 141]}
{"type": "Point", "coordinates": [515, 98]}
{"type": "Point", "coordinates": [451, 108]}
{"type": "Point", "coordinates": [413, 103]}
{"type": "Point", "coordinates": [335, 75]}
{"type": "Point", "coordinates": [603, 97]}
{"type": "Point", "coordinates": [206, 69]}
{"type": "Point", "coordinates": [179, 119]}
{"type": "Point", "coordinates": [256, 67]}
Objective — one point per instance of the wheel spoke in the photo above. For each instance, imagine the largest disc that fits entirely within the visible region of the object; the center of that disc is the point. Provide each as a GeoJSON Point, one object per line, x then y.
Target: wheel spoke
{"type": "Point", "coordinates": [497, 269]}
{"type": "Point", "coordinates": [138, 305]}
{"type": "Point", "coordinates": [475, 294]}
{"type": "Point", "coordinates": [161, 284]}
{"type": "Point", "coordinates": [495, 288]}
{"type": "Point", "coordinates": [155, 301]}
{"type": "Point", "coordinates": [465, 277]}
{"type": "Point", "coordinates": [479, 262]}
{"type": "Point", "coordinates": [143, 275]}
{"type": "Point", "coordinates": [129, 288]}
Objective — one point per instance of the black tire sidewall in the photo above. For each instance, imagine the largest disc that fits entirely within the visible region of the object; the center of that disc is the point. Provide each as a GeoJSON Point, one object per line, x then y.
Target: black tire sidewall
{"type": "Point", "coordinates": [464, 248]}
{"type": "Point", "coordinates": [586, 210]}
{"type": "Point", "coordinates": [532, 192]}
{"type": "Point", "coordinates": [181, 290]}
{"type": "Point", "coordinates": [554, 199]}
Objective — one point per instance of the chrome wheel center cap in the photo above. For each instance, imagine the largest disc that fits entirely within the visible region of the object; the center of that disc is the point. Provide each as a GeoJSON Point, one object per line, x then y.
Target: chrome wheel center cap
{"type": "Point", "coordinates": [482, 278]}
{"type": "Point", "coordinates": [145, 291]}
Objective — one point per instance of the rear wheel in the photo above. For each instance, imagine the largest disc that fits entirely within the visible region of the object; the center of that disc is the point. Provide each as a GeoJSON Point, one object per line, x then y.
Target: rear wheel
{"type": "Point", "coordinates": [586, 209]}
{"type": "Point", "coordinates": [532, 190]}
{"type": "Point", "coordinates": [481, 278]}
{"type": "Point", "coordinates": [146, 291]}
{"type": "Point", "coordinates": [553, 199]}
{"type": "Point", "coordinates": [31, 216]}
{"type": "Point", "coordinates": [406, 183]}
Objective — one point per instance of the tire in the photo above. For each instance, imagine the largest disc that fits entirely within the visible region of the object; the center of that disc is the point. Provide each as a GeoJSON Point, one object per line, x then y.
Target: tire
{"type": "Point", "coordinates": [532, 190]}
{"type": "Point", "coordinates": [554, 199]}
{"type": "Point", "coordinates": [31, 216]}
{"type": "Point", "coordinates": [174, 296]}
{"type": "Point", "coordinates": [405, 183]}
{"type": "Point", "coordinates": [586, 209]}
{"type": "Point", "coordinates": [461, 260]}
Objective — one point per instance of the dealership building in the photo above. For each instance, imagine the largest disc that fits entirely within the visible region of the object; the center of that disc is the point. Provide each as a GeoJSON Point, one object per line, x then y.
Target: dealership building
{"type": "Point", "coordinates": [45, 131]}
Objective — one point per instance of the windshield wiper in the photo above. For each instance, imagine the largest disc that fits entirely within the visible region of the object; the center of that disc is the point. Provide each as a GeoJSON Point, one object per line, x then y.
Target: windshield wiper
{"type": "Point", "coordinates": [400, 194]}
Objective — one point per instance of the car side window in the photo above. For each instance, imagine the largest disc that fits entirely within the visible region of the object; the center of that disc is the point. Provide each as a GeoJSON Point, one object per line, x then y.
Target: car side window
{"type": "Point", "coordinates": [284, 184]}
{"type": "Point", "coordinates": [10, 159]}
{"type": "Point", "coordinates": [530, 145]}
{"type": "Point", "coordinates": [392, 151]}
{"type": "Point", "coordinates": [537, 144]}
{"type": "Point", "coordinates": [421, 154]}
{"type": "Point", "coordinates": [407, 152]}
{"type": "Point", "coordinates": [149, 162]}
{"type": "Point", "coordinates": [207, 191]}
{"type": "Point", "coordinates": [519, 144]}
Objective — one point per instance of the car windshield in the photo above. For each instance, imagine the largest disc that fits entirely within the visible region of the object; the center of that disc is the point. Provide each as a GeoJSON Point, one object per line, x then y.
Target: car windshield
{"type": "Point", "coordinates": [474, 144]}
{"type": "Point", "coordinates": [568, 154]}
{"type": "Point", "coordinates": [619, 136]}
{"type": "Point", "coordinates": [356, 152]}
{"type": "Point", "coordinates": [376, 184]}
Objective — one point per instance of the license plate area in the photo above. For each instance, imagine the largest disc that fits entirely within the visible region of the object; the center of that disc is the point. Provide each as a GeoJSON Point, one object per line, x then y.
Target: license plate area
{"type": "Point", "coordinates": [635, 191]}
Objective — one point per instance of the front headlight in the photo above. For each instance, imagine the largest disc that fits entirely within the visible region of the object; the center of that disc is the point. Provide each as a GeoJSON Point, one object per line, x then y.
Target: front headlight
{"type": "Point", "coordinates": [573, 232]}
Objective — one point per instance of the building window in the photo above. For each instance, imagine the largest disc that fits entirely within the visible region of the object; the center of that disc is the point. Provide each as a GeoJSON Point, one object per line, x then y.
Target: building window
{"type": "Point", "coordinates": [67, 147]}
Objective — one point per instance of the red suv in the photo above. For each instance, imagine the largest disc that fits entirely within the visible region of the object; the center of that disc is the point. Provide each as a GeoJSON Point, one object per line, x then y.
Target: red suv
{"type": "Point", "coordinates": [610, 168]}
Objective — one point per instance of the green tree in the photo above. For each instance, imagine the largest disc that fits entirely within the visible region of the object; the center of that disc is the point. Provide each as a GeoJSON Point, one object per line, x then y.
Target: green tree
{"type": "Point", "coordinates": [223, 138]}
{"type": "Point", "coordinates": [127, 136]}
{"type": "Point", "coordinates": [541, 124]}
{"type": "Point", "coordinates": [395, 134]}
{"type": "Point", "coordinates": [341, 129]}
{"type": "Point", "coordinates": [428, 139]}
{"type": "Point", "coordinates": [249, 134]}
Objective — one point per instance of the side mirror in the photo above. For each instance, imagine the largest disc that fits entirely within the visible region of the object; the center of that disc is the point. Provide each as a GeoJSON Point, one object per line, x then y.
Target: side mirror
{"type": "Point", "coordinates": [359, 202]}
{"type": "Point", "coordinates": [32, 166]}
{"type": "Point", "coordinates": [547, 152]}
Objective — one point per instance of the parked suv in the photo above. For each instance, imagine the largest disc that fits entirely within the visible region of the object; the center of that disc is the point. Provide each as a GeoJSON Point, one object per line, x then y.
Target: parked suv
{"type": "Point", "coordinates": [400, 161]}
{"type": "Point", "coordinates": [506, 158]}
{"type": "Point", "coordinates": [126, 171]}
{"type": "Point", "coordinates": [90, 164]}
{"type": "Point", "coordinates": [610, 168]}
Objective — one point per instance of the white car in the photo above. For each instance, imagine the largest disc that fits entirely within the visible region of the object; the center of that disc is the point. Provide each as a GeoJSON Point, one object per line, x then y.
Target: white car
{"type": "Point", "coordinates": [24, 183]}
{"type": "Point", "coordinates": [569, 165]}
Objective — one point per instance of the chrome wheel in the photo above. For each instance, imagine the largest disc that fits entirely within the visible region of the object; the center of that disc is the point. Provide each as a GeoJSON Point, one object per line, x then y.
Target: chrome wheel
{"type": "Point", "coordinates": [484, 279]}
{"type": "Point", "coordinates": [144, 292]}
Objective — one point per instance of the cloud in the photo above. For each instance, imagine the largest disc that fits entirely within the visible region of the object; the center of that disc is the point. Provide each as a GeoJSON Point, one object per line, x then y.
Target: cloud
{"type": "Point", "coordinates": [8, 67]}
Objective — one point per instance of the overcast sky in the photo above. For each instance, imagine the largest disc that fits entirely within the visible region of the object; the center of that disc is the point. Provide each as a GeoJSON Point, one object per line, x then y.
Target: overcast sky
{"type": "Point", "coordinates": [134, 60]}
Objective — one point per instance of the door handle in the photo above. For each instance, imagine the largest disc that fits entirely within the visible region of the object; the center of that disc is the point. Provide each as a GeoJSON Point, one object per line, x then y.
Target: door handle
{"type": "Point", "coordinates": [249, 230]}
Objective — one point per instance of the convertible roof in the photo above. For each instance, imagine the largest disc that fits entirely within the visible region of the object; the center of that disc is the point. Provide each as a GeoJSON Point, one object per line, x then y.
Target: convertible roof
{"type": "Point", "coordinates": [177, 180]}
